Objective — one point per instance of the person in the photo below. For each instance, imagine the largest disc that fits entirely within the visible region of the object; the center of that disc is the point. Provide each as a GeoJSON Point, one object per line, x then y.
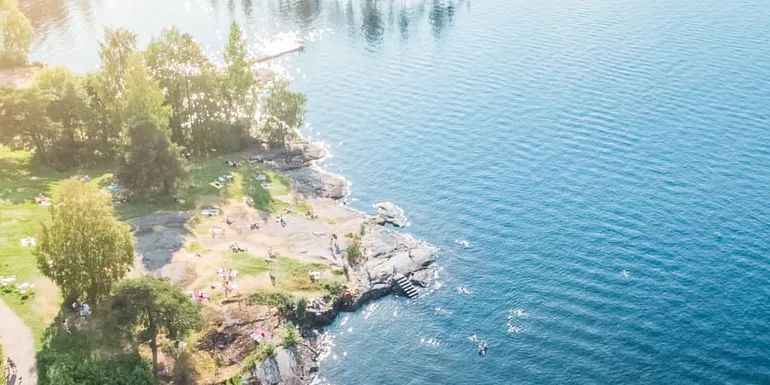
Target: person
{"type": "Point", "coordinates": [12, 371]}
{"type": "Point", "coordinates": [283, 222]}
{"type": "Point", "coordinates": [85, 310]}
{"type": "Point", "coordinates": [483, 348]}
{"type": "Point", "coordinates": [65, 325]}
{"type": "Point", "coordinates": [75, 307]}
{"type": "Point", "coordinates": [228, 220]}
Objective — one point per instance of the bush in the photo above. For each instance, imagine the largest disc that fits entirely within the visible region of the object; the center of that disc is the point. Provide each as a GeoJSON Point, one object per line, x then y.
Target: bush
{"type": "Point", "coordinates": [194, 369]}
{"type": "Point", "coordinates": [291, 336]}
{"type": "Point", "coordinates": [275, 299]}
{"type": "Point", "coordinates": [354, 251]}
{"type": "Point", "coordinates": [264, 351]}
{"type": "Point", "coordinates": [64, 369]}
{"type": "Point", "coordinates": [291, 307]}
{"type": "Point", "coordinates": [333, 290]}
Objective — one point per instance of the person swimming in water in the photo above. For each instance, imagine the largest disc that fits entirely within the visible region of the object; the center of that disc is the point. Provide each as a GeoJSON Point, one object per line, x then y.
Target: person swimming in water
{"type": "Point", "coordinates": [483, 348]}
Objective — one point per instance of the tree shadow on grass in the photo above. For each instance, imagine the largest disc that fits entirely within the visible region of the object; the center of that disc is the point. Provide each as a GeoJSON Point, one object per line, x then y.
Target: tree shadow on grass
{"type": "Point", "coordinates": [89, 352]}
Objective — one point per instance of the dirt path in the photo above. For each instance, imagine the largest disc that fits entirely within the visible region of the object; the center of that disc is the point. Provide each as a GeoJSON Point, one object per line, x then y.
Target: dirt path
{"type": "Point", "coordinates": [18, 345]}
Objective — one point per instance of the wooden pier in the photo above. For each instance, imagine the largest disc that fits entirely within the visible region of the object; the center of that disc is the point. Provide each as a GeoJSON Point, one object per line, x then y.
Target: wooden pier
{"type": "Point", "coordinates": [299, 47]}
{"type": "Point", "coordinates": [406, 286]}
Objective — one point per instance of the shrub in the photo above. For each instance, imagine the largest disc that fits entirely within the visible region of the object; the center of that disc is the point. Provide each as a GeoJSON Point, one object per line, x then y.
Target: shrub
{"type": "Point", "coordinates": [194, 368]}
{"type": "Point", "coordinates": [291, 336]}
{"type": "Point", "coordinates": [333, 290]}
{"type": "Point", "coordinates": [354, 251]}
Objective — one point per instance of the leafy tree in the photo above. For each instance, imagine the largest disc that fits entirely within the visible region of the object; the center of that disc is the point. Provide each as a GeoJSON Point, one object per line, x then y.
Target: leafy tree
{"type": "Point", "coordinates": [84, 249]}
{"type": "Point", "coordinates": [15, 35]}
{"type": "Point", "coordinates": [155, 308]}
{"type": "Point", "coordinates": [150, 166]}
{"type": "Point", "coordinates": [189, 81]}
{"type": "Point", "coordinates": [291, 336]}
{"type": "Point", "coordinates": [116, 53]}
{"type": "Point", "coordinates": [238, 80]}
{"type": "Point", "coordinates": [284, 113]}
{"type": "Point", "coordinates": [143, 96]}
{"type": "Point", "coordinates": [69, 108]}
{"type": "Point", "coordinates": [24, 123]}
{"type": "Point", "coordinates": [108, 86]}
{"type": "Point", "coordinates": [103, 125]}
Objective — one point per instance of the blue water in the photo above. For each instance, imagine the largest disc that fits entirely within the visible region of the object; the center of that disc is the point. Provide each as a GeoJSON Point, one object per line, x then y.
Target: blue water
{"type": "Point", "coordinates": [567, 141]}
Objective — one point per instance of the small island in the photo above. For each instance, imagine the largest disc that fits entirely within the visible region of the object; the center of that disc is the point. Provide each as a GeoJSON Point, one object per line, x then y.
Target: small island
{"type": "Point", "coordinates": [164, 222]}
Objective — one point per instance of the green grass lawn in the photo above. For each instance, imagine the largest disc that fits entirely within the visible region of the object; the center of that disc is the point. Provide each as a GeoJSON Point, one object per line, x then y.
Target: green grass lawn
{"type": "Point", "coordinates": [291, 275]}
{"type": "Point", "coordinates": [21, 180]}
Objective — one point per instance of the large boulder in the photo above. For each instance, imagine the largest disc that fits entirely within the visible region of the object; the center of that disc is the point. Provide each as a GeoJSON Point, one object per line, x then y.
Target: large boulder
{"type": "Point", "coordinates": [390, 213]}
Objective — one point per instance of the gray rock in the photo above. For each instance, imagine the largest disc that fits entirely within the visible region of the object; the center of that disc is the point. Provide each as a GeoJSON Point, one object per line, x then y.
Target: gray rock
{"type": "Point", "coordinates": [284, 368]}
{"type": "Point", "coordinates": [312, 181]}
{"type": "Point", "coordinates": [388, 253]}
{"type": "Point", "coordinates": [390, 213]}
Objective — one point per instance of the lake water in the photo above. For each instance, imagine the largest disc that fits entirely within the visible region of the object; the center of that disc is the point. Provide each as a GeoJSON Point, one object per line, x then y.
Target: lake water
{"type": "Point", "coordinates": [567, 141]}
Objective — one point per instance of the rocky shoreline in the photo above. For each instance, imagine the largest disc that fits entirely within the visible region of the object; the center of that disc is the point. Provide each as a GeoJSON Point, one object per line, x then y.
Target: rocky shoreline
{"type": "Point", "coordinates": [387, 252]}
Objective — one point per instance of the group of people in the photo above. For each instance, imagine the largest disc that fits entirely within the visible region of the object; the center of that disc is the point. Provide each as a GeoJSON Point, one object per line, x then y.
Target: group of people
{"type": "Point", "coordinates": [228, 276]}
{"type": "Point", "coordinates": [81, 309]}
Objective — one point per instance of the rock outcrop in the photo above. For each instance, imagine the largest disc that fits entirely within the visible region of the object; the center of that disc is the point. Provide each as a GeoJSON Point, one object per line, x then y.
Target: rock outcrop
{"type": "Point", "coordinates": [390, 213]}
{"type": "Point", "coordinates": [284, 368]}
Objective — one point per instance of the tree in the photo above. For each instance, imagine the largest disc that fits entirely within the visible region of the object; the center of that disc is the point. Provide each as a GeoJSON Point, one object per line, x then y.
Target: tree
{"type": "Point", "coordinates": [238, 84]}
{"type": "Point", "coordinates": [291, 336]}
{"type": "Point", "coordinates": [24, 123]}
{"type": "Point", "coordinates": [15, 35]}
{"type": "Point", "coordinates": [188, 79]}
{"type": "Point", "coordinates": [155, 308]}
{"type": "Point", "coordinates": [143, 96]}
{"type": "Point", "coordinates": [84, 249]}
{"type": "Point", "coordinates": [151, 166]}
{"type": "Point", "coordinates": [102, 123]}
{"type": "Point", "coordinates": [68, 107]}
{"type": "Point", "coordinates": [284, 113]}
{"type": "Point", "coordinates": [116, 52]}
{"type": "Point", "coordinates": [107, 87]}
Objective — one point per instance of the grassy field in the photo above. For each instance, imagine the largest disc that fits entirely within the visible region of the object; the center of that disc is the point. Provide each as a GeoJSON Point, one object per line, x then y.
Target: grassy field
{"type": "Point", "coordinates": [21, 181]}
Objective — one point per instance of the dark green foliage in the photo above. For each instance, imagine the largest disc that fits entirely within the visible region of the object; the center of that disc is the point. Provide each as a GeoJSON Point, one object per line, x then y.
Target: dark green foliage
{"type": "Point", "coordinates": [291, 307]}
{"type": "Point", "coordinates": [88, 356]}
{"type": "Point", "coordinates": [151, 167]}
{"type": "Point", "coordinates": [147, 308]}
{"type": "Point", "coordinates": [333, 290]}
{"type": "Point", "coordinates": [84, 249]}
{"type": "Point", "coordinates": [291, 336]}
{"type": "Point", "coordinates": [65, 369]}
{"type": "Point", "coordinates": [284, 113]}
{"type": "Point", "coordinates": [353, 251]}
{"type": "Point", "coordinates": [24, 122]}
